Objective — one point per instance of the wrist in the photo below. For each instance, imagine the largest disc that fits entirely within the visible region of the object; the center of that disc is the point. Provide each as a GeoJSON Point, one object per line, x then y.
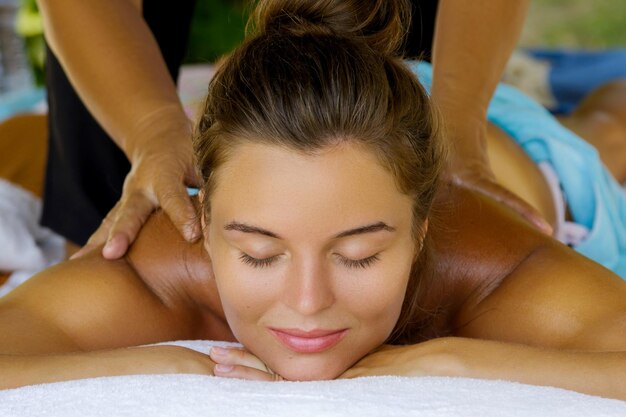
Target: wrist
{"type": "Point", "coordinates": [467, 143]}
{"type": "Point", "coordinates": [166, 127]}
{"type": "Point", "coordinates": [440, 357]}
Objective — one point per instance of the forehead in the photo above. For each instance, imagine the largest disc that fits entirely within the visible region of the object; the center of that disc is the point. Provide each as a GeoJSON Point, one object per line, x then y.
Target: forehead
{"type": "Point", "coordinates": [339, 185]}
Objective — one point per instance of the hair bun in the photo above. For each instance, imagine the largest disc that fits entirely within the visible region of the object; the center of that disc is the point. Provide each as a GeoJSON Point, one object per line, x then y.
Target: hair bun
{"type": "Point", "coordinates": [382, 24]}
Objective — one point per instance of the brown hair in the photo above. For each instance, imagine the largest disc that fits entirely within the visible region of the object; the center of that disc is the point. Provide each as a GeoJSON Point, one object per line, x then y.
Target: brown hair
{"type": "Point", "coordinates": [313, 74]}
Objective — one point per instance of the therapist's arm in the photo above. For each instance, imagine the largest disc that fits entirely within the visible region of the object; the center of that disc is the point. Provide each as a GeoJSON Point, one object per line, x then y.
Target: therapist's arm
{"type": "Point", "coordinates": [473, 42]}
{"type": "Point", "coordinates": [114, 63]}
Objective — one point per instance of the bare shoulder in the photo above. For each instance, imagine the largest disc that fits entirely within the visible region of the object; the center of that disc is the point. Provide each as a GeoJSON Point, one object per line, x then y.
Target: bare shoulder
{"type": "Point", "coordinates": [179, 273]}
{"type": "Point", "coordinates": [92, 303]}
{"type": "Point", "coordinates": [86, 304]}
{"type": "Point", "coordinates": [515, 284]}
{"type": "Point", "coordinates": [477, 243]}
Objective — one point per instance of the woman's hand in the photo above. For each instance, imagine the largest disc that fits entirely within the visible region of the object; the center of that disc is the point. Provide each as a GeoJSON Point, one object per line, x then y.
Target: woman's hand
{"type": "Point", "coordinates": [409, 360]}
{"type": "Point", "coordinates": [239, 363]}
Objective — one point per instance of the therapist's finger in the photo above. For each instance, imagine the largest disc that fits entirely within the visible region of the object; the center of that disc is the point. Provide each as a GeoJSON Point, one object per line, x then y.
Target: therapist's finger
{"type": "Point", "coordinates": [131, 214]}
{"type": "Point", "coordinates": [98, 237]}
{"type": "Point", "coordinates": [504, 196]}
{"type": "Point", "coordinates": [175, 201]}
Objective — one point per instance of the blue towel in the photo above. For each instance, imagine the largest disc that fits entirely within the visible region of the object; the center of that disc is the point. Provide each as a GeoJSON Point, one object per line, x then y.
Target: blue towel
{"type": "Point", "coordinates": [595, 199]}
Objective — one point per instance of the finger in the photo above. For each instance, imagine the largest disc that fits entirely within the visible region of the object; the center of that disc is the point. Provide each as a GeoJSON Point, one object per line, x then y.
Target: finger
{"type": "Point", "coordinates": [173, 197]}
{"type": "Point", "coordinates": [354, 372]}
{"type": "Point", "coordinates": [193, 177]}
{"type": "Point", "coordinates": [244, 372]}
{"type": "Point", "coordinates": [233, 356]}
{"type": "Point", "coordinates": [346, 375]}
{"type": "Point", "coordinates": [131, 214]}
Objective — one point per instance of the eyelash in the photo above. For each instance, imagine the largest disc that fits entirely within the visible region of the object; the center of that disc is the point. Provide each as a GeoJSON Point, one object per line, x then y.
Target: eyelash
{"type": "Point", "coordinates": [350, 263]}
{"type": "Point", "coordinates": [257, 263]}
{"type": "Point", "coordinates": [359, 263]}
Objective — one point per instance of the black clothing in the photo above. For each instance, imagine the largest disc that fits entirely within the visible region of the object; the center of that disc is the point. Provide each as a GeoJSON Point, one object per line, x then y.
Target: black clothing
{"type": "Point", "coordinates": [422, 32]}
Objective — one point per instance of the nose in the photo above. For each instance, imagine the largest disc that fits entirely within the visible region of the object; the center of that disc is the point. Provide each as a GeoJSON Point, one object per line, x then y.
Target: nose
{"type": "Point", "coordinates": [309, 288]}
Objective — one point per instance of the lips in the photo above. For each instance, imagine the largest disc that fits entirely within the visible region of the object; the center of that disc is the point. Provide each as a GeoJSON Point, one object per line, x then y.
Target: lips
{"type": "Point", "coordinates": [312, 341]}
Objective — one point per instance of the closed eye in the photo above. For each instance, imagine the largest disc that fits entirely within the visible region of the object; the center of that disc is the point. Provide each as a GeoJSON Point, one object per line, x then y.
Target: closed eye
{"type": "Point", "coordinates": [359, 263]}
{"type": "Point", "coordinates": [350, 263]}
{"type": "Point", "coordinates": [257, 263]}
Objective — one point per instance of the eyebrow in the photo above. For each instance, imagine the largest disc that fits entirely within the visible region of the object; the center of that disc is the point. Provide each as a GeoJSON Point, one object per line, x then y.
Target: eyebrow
{"type": "Point", "coordinates": [371, 228]}
{"type": "Point", "coordinates": [246, 228]}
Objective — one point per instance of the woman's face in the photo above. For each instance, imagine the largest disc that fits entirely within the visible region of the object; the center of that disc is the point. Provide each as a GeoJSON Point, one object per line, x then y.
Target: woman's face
{"type": "Point", "coordinates": [311, 255]}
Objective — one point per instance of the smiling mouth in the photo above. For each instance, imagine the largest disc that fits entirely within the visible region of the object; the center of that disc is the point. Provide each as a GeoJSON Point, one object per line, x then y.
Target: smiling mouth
{"type": "Point", "coordinates": [313, 341]}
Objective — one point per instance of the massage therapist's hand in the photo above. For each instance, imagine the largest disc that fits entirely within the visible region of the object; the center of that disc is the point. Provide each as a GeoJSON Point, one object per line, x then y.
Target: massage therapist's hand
{"type": "Point", "coordinates": [469, 168]}
{"type": "Point", "coordinates": [472, 44]}
{"type": "Point", "coordinates": [162, 167]}
{"type": "Point", "coordinates": [239, 363]}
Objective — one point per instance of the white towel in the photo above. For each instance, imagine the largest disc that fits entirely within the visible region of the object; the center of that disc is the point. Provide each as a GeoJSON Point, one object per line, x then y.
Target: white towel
{"type": "Point", "coordinates": [25, 246]}
{"type": "Point", "coordinates": [196, 395]}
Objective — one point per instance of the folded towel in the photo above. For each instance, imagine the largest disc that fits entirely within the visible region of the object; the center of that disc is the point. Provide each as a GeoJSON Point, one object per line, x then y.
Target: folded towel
{"type": "Point", "coordinates": [596, 201]}
{"type": "Point", "coordinates": [25, 246]}
{"type": "Point", "coordinates": [196, 395]}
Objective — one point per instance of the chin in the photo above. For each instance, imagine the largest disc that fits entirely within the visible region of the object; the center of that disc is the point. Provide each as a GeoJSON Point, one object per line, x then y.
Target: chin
{"type": "Point", "coordinates": [310, 369]}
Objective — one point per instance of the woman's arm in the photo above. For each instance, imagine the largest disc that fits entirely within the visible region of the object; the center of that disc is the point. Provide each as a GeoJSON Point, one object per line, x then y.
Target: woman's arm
{"type": "Point", "coordinates": [116, 67]}
{"type": "Point", "coordinates": [587, 353]}
{"type": "Point", "coordinates": [595, 373]}
{"type": "Point", "coordinates": [22, 370]}
{"type": "Point", "coordinates": [73, 321]}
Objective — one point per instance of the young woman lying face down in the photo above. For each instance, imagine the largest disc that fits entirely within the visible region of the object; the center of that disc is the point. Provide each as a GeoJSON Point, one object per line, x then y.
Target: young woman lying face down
{"type": "Point", "coordinates": [328, 249]}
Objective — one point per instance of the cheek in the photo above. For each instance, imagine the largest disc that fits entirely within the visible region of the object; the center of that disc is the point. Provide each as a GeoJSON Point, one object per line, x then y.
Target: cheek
{"type": "Point", "coordinates": [377, 300]}
{"type": "Point", "coordinates": [244, 295]}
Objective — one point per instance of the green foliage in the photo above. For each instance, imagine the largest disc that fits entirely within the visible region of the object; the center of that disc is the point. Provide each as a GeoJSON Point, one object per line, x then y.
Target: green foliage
{"type": "Point", "coordinates": [217, 28]}
{"type": "Point", "coordinates": [29, 25]}
{"type": "Point", "coordinates": [577, 23]}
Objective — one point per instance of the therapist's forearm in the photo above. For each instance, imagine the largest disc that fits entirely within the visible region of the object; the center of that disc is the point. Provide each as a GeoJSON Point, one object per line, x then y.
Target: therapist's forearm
{"type": "Point", "coordinates": [115, 65]}
{"type": "Point", "coordinates": [473, 42]}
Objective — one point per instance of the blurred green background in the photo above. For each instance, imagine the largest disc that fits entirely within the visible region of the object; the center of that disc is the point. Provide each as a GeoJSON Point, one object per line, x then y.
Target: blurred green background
{"type": "Point", "coordinates": [576, 23]}
{"type": "Point", "coordinates": [218, 26]}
